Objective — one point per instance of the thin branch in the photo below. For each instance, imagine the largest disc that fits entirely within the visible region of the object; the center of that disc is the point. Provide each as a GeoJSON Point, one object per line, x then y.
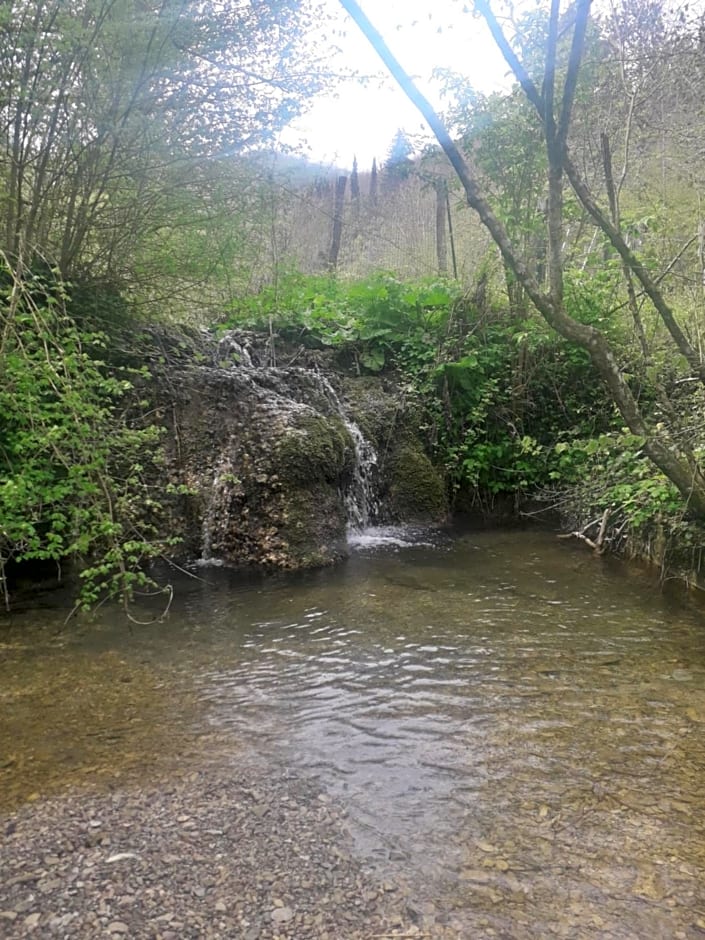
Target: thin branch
{"type": "Point", "coordinates": [585, 196]}
{"type": "Point", "coordinates": [676, 465]}
{"type": "Point", "coordinates": [674, 261]}
{"type": "Point", "coordinates": [636, 267]}
{"type": "Point", "coordinates": [549, 79]}
{"type": "Point", "coordinates": [571, 81]}
{"type": "Point", "coordinates": [510, 57]}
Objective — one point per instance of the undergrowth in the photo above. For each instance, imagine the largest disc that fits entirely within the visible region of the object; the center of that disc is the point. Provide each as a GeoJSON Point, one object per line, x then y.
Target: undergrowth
{"type": "Point", "coordinates": [78, 474]}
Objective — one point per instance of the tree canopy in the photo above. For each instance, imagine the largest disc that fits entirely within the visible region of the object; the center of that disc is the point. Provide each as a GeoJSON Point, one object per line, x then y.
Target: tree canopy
{"type": "Point", "coordinates": [110, 109]}
{"type": "Point", "coordinates": [552, 96]}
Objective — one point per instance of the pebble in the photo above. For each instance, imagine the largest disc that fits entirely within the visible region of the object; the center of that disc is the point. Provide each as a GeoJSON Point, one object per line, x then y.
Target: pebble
{"type": "Point", "coordinates": [121, 857]}
{"type": "Point", "coordinates": [170, 847]}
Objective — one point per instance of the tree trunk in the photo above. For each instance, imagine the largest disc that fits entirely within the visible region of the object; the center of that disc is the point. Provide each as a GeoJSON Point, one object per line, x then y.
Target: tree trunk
{"type": "Point", "coordinates": [337, 222]}
{"type": "Point", "coordinates": [441, 240]}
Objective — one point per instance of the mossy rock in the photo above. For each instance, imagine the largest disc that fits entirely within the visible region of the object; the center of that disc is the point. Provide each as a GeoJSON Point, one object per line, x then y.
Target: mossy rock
{"type": "Point", "coordinates": [313, 524]}
{"type": "Point", "coordinates": [416, 487]}
{"type": "Point", "coordinates": [317, 449]}
{"type": "Point", "coordinates": [376, 411]}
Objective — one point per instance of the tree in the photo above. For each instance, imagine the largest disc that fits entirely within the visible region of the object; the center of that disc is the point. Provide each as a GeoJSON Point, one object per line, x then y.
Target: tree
{"type": "Point", "coordinates": [355, 183]}
{"type": "Point", "coordinates": [398, 163]}
{"type": "Point", "coordinates": [501, 138]}
{"type": "Point", "coordinates": [374, 182]}
{"type": "Point", "coordinates": [110, 108]}
{"type": "Point", "coordinates": [553, 99]}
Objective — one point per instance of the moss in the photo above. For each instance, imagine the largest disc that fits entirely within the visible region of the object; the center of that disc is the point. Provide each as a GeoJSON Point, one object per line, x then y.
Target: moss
{"type": "Point", "coordinates": [416, 487]}
{"type": "Point", "coordinates": [318, 449]}
{"type": "Point", "coordinates": [376, 411]}
{"type": "Point", "coordinates": [313, 524]}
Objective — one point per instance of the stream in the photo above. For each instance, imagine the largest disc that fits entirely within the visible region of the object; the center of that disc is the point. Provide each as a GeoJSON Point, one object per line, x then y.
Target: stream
{"type": "Point", "coordinates": [515, 728]}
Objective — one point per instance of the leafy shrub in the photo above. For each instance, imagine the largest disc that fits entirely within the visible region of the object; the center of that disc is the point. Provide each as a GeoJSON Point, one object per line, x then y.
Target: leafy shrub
{"type": "Point", "coordinates": [610, 473]}
{"type": "Point", "coordinates": [76, 477]}
{"type": "Point", "coordinates": [498, 391]}
{"type": "Point", "coordinates": [372, 317]}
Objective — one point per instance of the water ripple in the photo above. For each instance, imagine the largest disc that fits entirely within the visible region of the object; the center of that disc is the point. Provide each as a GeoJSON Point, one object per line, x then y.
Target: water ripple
{"type": "Point", "coordinates": [475, 704]}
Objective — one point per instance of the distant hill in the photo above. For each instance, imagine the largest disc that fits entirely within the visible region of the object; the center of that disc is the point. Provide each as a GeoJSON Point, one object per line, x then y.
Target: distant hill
{"type": "Point", "coordinates": [295, 168]}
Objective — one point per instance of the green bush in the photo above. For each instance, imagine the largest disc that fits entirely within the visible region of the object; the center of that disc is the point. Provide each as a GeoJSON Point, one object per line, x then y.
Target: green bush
{"type": "Point", "coordinates": [370, 317]}
{"type": "Point", "coordinates": [76, 476]}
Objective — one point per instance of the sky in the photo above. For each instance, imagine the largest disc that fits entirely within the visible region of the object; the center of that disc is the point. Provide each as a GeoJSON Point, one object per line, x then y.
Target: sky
{"type": "Point", "coordinates": [361, 120]}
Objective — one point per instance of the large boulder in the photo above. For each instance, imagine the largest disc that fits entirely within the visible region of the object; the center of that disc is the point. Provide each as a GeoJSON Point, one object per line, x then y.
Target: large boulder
{"type": "Point", "coordinates": [267, 459]}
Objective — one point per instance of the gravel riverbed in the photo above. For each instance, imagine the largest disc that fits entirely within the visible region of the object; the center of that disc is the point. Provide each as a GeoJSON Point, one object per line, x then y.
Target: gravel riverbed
{"type": "Point", "coordinates": [242, 851]}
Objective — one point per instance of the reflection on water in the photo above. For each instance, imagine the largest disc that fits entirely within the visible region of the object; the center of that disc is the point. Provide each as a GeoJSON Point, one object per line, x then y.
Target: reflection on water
{"type": "Point", "coordinates": [516, 728]}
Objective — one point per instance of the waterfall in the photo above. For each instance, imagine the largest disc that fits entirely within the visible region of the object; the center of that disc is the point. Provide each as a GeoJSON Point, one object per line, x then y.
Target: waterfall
{"type": "Point", "coordinates": [207, 559]}
{"type": "Point", "coordinates": [361, 495]}
{"type": "Point", "coordinates": [288, 390]}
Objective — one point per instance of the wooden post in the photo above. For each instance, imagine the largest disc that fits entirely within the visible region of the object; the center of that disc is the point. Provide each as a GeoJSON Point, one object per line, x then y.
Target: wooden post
{"type": "Point", "coordinates": [441, 240]}
{"type": "Point", "coordinates": [452, 236]}
{"type": "Point", "coordinates": [337, 222]}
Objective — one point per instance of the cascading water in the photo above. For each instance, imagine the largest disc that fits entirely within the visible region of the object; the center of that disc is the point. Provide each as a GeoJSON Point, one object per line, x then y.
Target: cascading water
{"type": "Point", "coordinates": [361, 495]}
{"type": "Point", "coordinates": [299, 389]}
{"type": "Point", "coordinates": [208, 559]}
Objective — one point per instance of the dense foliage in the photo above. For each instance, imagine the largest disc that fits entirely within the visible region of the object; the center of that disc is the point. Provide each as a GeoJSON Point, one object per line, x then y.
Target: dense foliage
{"type": "Point", "coordinates": [124, 129]}
{"type": "Point", "coordinates": [499, 392]}
{"type": "Point", "coordinates": [78, 480]}
{"type": "Point", "coordinates": [512, 409]}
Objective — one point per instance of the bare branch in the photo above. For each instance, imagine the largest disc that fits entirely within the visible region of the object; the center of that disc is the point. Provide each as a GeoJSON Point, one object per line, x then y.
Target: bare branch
{"type": "Point", "coordinates": [549, 79]}
{"type": "Point", "coordinates": [583, 193]}
{"type": "Point", "coordinates": [678, 466]}
{"type": "Point", "coordinates": [574, 60]}
{"type": "Point", "coordinates": [636, 267]}
{"type": "Point", "coordinates": [510, 57]}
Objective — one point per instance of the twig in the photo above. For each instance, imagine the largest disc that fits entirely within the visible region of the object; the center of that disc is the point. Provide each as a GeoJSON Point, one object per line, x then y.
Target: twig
{"type": "Point", "coordinates": [603, 529]}
{"type": "Point", "coordinates": [582, 537]}
{"type": "Point", "coordinates": [3, 582]}
{"type": "Point", "coordinates": [148, 623]}
{"type": "Point", "coordinates": [597, 546]}
{"type": "Point", "coordinates": [185, 571]}
{"type": "Point", "coordinates": [398, 936]}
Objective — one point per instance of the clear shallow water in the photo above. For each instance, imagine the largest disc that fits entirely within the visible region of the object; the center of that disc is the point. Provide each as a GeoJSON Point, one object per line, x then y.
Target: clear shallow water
{"type": "Point", "coordinates": [516, 728]}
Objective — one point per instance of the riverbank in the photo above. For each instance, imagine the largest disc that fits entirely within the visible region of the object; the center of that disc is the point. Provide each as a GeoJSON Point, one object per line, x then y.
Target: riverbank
{"type": "Point", "coordinates": [228, 850]}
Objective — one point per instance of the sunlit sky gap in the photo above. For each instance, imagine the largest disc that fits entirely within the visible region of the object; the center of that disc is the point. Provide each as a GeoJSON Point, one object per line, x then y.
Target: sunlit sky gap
{"type": "Point", "coordinates": [360, 119]}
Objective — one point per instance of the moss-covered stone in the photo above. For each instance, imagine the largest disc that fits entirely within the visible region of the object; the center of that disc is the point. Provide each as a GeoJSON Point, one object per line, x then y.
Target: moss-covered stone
{"type": "Point", "coordinates": [376, 410]}
{"type": "Point", "coordinates": [313, 524]}
{"type": "Point", "coordinates": [416, 487]}
{"type": "Point", "coordinates": [317, 449]}
{"type": "Point", "coordinates": [267, 460]}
